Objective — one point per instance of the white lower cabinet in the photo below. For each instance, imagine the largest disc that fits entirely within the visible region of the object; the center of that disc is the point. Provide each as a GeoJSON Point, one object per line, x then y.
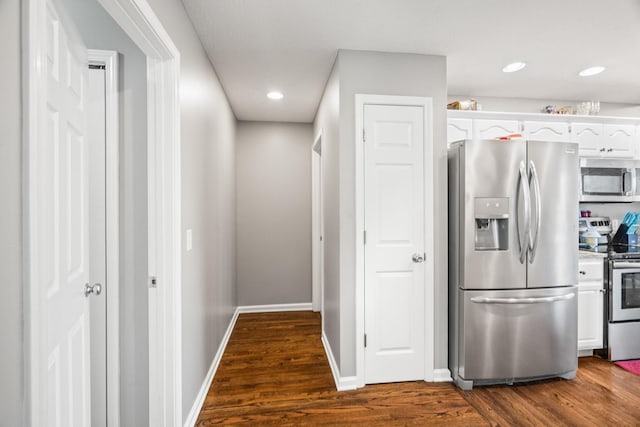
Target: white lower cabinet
{"type": "Point", "coordinates": [590, 305]}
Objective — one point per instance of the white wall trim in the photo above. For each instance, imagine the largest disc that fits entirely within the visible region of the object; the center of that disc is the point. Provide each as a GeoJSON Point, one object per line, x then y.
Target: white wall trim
{"type": "Point", "coordinates": [109, 59]}
{"type": "Point", "coordinates": [316, 224]}
{"type": "Point", "coordinates": [427, 104]}
{"type": "Point", "coordinates": [342, 383]}
{"type": "Point", "coordinates": [192, 418]}
{"type": "Point", "coordinates": [441, 376]}
{"type": "Point", "coordinates": [268, 308]}
{"type": "Point", "coordinates": [33, 29]}
{"type": "Point", "coordinates": [139, 21]}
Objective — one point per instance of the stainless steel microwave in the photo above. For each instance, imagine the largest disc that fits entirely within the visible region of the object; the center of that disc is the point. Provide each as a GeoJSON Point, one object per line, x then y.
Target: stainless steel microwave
{"type": "Point", "coordinates": [608, 180]}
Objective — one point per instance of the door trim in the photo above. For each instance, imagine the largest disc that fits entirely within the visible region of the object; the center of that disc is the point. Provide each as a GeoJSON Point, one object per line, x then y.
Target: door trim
{"type": "Point", "coordinates": [427, 104]}
{"type": "Point", "coordinates": [109, 59]}
{"type": "Point", "coordinates": [139, 21]}
{"type": "Point", "coordinates": [317, 220]}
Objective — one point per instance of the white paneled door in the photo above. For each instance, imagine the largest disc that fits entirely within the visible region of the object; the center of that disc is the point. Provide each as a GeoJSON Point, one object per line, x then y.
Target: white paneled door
{"type": "Point", "coordinates": [394, 243]}
{"type": "Point", "coordinates": [62, 226]}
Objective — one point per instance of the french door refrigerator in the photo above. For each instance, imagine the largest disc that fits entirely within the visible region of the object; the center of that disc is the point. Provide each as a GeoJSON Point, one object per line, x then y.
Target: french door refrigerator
{"type": "Point", "coordinates": [513, 261]}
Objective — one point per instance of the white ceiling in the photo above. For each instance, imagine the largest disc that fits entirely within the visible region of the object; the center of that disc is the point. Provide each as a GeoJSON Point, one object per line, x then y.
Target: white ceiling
{"type": "Point", "coordinates": [290, 45]}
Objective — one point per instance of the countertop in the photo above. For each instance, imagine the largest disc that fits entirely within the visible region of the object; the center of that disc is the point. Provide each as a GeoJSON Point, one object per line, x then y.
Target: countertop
{"type": "Point", "coordinates": [591, 255]}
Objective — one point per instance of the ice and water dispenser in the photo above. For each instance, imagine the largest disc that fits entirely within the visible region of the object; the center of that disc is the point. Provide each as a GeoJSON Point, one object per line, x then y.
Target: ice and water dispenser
{"type": "Point", "coordinates": [491, 216]}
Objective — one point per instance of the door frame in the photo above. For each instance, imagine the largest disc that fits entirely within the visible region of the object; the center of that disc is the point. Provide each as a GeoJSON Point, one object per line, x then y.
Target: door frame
{"type": "Point", "coordinates": [317, 221]}
{"type": "Point", "coordinates": [139, 21]}
{"type": "Point", "coordinates": [429, 328]}
{"type": "Point", "coordinates": [109, 59]}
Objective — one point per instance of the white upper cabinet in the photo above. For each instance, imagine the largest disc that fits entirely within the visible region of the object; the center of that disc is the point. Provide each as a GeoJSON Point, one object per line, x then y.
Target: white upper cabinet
{"type": "Point", "coordinates": [620, 140]}
{"type": "Point", "coordinates": [489, 129]}
{"type": "Point", "coordinates": [590, 138]}
{"type": "Point", "coordinates": [604, 140]}
{"type": "Point", "coordinates": [458, 130]}
{"type": "Point", "coordinates": [546, 131]}
{"type": "Point", "coordinates": [615, 137]}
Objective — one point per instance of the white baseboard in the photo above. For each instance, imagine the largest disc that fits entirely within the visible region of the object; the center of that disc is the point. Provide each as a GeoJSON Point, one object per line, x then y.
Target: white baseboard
{"type": "Point", "coordinates": [306, 306]}
{"type": "Point", "coordinates": [585, 353]}
{"type": "Point", "coordinates": [202, 394]}
{"type": "Point", "coordinates": [441, 375]}
{"type": "Point", "coordinates": [342, 383]}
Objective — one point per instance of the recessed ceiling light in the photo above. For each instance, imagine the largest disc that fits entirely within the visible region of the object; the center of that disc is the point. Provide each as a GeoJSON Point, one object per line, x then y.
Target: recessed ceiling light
{"type": "Point", "coordinates": [275, 95]}
{"type": "Point", "coordinates": [591, 71]}
{"type": "Point", "coordinates": [514, 66]}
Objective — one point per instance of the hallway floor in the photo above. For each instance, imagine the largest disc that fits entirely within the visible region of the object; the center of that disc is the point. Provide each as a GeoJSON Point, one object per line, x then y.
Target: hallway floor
{"type": "Point", "coordinates": [275, 372]}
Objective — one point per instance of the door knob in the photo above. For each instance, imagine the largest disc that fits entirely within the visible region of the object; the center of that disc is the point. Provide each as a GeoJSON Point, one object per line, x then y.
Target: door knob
{"type": "Point", "coordinates": [417, 258]}
{"type": "Point", "coordinates": [95, 289]}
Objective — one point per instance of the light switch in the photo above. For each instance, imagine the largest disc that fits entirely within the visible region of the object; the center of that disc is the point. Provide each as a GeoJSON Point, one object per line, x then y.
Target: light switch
{"type": "Point", "coordinates": [189, 238]}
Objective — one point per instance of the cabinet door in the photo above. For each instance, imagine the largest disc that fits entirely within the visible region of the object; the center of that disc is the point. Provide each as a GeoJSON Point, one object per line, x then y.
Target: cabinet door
{"type": "Point", "coordinates": [590, 315]}
{"type": "Point", "coordinates": [547, 131]}
{"type": "Point", "coordinates": [619, 140]}
{"type": "Point", "coordinates": [590, 137]}
{"type": "Point", "coordinates": [458, 130]}
{"type": "Point", "coordinates": [490, 129]}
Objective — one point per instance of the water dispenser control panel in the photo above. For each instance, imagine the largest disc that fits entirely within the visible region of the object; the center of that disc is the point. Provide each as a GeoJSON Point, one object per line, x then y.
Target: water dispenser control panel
{"type": "Point", "coordinates": [491, 216]}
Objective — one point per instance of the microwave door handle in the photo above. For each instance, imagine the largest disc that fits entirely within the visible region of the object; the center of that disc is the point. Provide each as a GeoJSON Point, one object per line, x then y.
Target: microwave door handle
{"type": "Point", "coordinates": [626, 174]}
{"type": "Point", "coordinates": [526, 197]}
{"type": "Point", "coordinates": [534, 235]}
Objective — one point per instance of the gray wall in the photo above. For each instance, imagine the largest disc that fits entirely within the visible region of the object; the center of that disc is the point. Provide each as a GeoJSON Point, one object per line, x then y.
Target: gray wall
{"type": "Point", "coordinates": [11, 324]}
{"type": "Point", "coordinates": [386, 74]}
{"type": "Point", "coordinates": [208, 202]}
{"type": "Point", "coordinates": [327, 121]}
{"type": "Point", "coordinates": [99, 31]}
{"type": "Point", "coordinates": [273, 170]}
{"type": "Point", "coordinates": [526, 105]}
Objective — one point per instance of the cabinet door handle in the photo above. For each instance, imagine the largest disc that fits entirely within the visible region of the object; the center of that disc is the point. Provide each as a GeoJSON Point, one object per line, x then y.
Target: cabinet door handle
{"type": "Point", "coordinates": [584, 273]}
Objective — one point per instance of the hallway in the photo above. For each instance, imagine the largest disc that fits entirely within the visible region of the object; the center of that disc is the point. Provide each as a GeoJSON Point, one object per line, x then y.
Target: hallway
{"type": "Point", "coordinates": [275, 372]}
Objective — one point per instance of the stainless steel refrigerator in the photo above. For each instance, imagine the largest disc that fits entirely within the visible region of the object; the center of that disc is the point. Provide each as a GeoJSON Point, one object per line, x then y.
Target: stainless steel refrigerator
{"type": "Point", "coordinates": [513, 261]}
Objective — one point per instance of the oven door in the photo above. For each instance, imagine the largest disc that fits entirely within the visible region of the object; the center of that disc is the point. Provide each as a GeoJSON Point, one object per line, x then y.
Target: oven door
{"type": "Point", "coordinates": [624, 299]}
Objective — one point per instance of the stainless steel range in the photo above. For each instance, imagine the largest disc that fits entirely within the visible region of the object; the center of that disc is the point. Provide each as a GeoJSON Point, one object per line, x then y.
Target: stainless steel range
{"type": "Point", "coordinates": [622, 281]}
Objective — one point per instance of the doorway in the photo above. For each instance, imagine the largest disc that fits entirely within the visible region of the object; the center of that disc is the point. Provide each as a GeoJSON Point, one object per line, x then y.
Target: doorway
{"type": "Point", "coordinates": [394, 256]}
{"type": "Point", "coordinates": [56, 226]}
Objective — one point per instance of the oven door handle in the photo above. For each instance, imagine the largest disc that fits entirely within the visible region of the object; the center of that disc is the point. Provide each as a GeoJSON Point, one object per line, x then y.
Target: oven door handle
{"type": "Point", "coordinates": [539, 300]}
{"type": "Point", "coordinates": [626, 264]}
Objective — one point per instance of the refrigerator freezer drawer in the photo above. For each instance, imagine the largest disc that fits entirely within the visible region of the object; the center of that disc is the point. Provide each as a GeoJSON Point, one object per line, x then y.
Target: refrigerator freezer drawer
{"type": "Point", "coordinates": [517, 334]}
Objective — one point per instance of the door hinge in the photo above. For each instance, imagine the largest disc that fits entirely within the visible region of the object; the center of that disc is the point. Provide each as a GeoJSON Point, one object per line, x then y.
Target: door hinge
{"type": "Point", "coordinates": [365, 340]}
{"type": "Point", "coordinates": [153, 282]}
{"type": "Point", "coordinates": [365, 236]}
{"type": "Point", "coordinates": [363, 136]}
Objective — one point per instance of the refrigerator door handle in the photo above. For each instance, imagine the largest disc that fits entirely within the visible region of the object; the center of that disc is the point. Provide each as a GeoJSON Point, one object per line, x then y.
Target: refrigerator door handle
{"type": "Point", "coordinates": [526, 197]}
{"type": "Point", "coordinates": [534, 235]}
{"type": "Point", "coordinates": [539, 300]}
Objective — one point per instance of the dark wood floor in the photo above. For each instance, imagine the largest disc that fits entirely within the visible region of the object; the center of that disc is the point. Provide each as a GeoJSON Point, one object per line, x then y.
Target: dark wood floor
{"type": "Point", "coordinates": [275, 372]}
